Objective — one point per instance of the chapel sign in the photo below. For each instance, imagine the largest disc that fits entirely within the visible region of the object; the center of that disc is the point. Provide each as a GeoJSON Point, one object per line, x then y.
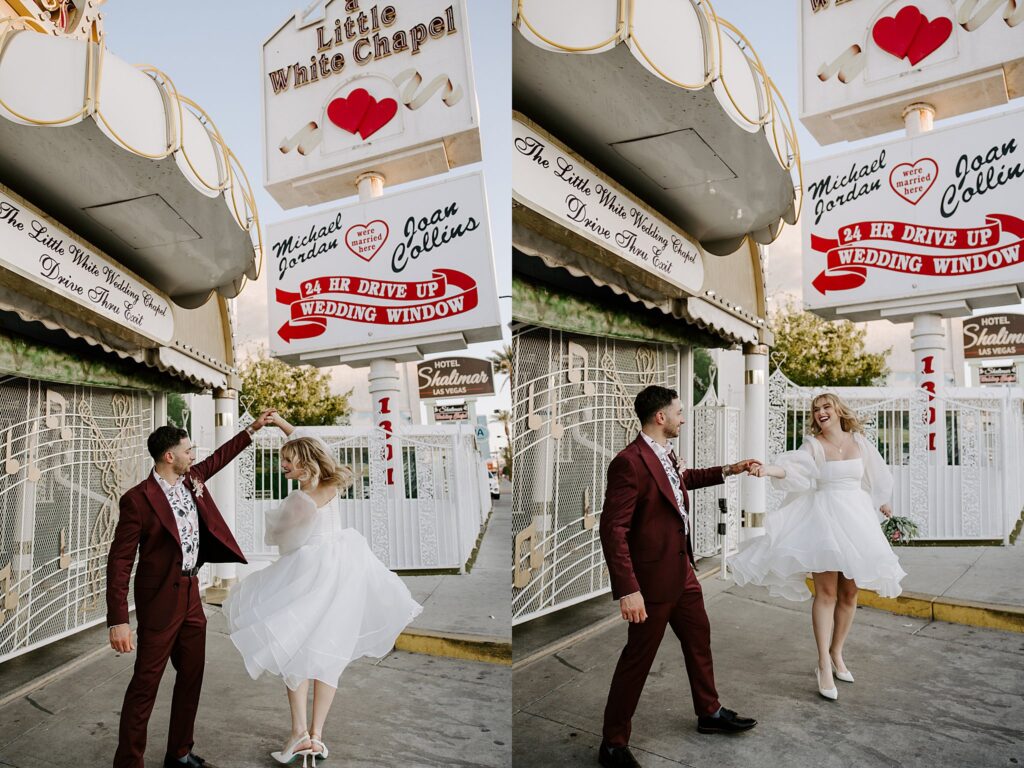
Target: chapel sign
{"type": "Point", "coordinates": [397, 276]}
{"type": "Point", "coordinates": [36, 249]}
{"type": "Point", "coordinates": [549, 179]}
{"type": "Point", "coordinates": [351, 86]}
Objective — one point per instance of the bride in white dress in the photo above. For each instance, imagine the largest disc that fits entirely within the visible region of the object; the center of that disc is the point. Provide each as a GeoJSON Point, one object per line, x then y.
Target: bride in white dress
{"type": "Point", "coordinates": [326, 601]}
{"type": "Point", "coordinates": [827, 525]}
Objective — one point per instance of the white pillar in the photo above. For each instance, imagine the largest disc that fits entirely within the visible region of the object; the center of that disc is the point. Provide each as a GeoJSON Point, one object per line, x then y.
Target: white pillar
{"type": "Point", "coordinates": [918, 118]}
{"type": "Point", "coordinates": [222, 486]}
{"type": "Point", "coordinates": [385, 392]}
{"type": "Point", "coordinates": [755, 438]}
{"type": "Point", "coordinates": [929, 347]}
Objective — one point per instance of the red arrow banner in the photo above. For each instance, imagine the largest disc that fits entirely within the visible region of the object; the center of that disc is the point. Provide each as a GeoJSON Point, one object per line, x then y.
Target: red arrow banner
{"type": "Point", "coordinates": [415, 302]}
{"type": "Point", "coordinates": [847, 259]}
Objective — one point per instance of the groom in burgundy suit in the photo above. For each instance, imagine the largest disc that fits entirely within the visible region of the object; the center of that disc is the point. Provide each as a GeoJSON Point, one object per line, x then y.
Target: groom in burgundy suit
{"type": "Point", "coordinates": [645, 536]}
{"type": "Point", "coordinates": [173, 523]}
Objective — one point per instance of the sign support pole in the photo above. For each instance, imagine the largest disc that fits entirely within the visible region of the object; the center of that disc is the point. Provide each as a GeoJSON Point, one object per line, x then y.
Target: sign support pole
{"type": "Point", "coordinates": [385, 383]}
{"type": "Point", "coordinates": [929, 337]}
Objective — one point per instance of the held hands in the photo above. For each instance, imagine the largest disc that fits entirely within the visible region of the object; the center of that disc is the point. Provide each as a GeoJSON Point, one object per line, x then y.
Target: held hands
{"type": "Point", "coordinates": [267, 417]}
{"type": "Point", "coordinates": [747, 465]}
{"type": "Point", "coordinates": [768, 470]}
{"type": "Point", "coordinates": [886, 510]}
{"type": "Point", "coordinates": [632, 607]}
{"type": "Point", "coordinates": [121, 638]}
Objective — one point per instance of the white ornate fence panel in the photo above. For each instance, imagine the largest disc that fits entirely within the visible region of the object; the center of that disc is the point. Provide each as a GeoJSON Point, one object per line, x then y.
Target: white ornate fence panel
{"type": "Point", "coordinates": [68, 454]}
{"type": "Point", "coordinates": [716, 441]}
{"type": "Point", "coordinates": [432, 521]}
{"type": "Point", "coordinates": [572, 411]}
{"type": "Point", "coordinates": [974, 491]}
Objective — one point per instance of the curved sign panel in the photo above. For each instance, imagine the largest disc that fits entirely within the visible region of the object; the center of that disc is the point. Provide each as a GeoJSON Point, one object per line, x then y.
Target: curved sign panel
{"type": "Point", "coordinates": [397, 276]}
{"type": "Point", "coordinates": [937, 216]}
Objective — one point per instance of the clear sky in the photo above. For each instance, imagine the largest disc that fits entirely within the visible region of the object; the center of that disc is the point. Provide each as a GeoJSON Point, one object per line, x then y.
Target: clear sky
{"type": "Point", "coordinates": [211, 50]}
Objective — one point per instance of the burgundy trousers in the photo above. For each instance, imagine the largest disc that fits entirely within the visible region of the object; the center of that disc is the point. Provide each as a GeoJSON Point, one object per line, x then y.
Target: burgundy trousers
{"type": "Point", "coordinates": [689, 621]}
{"type": "Point", "coordinates": [183, 641]}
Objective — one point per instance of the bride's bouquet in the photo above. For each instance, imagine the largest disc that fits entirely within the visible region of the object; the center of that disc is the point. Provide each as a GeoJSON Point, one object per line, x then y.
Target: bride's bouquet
{"type": "Point", "coordinates": [899, 530]}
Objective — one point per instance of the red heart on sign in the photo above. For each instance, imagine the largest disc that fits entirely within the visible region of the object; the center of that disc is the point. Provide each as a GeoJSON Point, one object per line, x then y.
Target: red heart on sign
{"type": "Point", "coordinates": [364, 240]}
{"type": "Point", "coordinates": [377, 116]}
{"type": "Point", "coordinates": [896, 34]}
{"type": "Point", "coordinates": [349, 112]}
{"type": "Point", "coordinates": [912, 181]}
{"type": "Point", "coordinates": [929, 37]}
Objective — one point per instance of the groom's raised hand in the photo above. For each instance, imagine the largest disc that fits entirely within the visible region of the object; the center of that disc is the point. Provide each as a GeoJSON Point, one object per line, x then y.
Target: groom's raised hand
{"type": "Point", "coordinates": [747, 465]}
{"type": "Point", "coordinates": [633, 609]}
{"type": "Point", "coordinates": [267, 417]}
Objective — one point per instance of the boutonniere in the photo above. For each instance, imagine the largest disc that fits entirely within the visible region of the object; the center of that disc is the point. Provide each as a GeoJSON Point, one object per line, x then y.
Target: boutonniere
{"type": "Point", "coordinates": [197, 486]}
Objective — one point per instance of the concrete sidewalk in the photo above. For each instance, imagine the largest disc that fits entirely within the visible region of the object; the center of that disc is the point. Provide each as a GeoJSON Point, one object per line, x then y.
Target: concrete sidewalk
{"type": "Point", "coordinates": [404, 710]}
{"type": "Point", "coordinates": [976, 586]}
{"type": "Point", "coordinates": [468, 615]}
{"type": "Point", "coordinates": [928, 693]}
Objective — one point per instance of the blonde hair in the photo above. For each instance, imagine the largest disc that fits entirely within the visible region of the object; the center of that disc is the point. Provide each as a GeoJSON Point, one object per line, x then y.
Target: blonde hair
{"type": "Point", "coordinates": [848, 420]}
{"type": "Point", "coordinates": [315, 463]}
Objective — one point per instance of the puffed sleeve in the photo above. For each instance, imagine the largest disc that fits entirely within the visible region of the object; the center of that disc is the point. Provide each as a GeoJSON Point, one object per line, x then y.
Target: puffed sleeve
{"type": "Point", "coordinates": [802, 471]}
{"type": "Point", "coordinates": [877, 477]}
{"type": "Point", "coordinates": [290, 525]}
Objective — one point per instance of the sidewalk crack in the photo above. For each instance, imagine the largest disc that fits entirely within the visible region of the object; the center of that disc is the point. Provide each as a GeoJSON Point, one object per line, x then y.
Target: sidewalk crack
{"type": "Point", "coordinates": [39, 706]}
{"type": "Point", "coordinates": [560, 660]}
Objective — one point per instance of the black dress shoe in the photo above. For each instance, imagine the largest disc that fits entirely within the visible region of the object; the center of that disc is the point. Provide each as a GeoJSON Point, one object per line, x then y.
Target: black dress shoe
{"type": "Point", "coordinates": [616, 757]}
{"type": "Point", "coordinates": [726, 722]}
{"type": "Point", "coordinates": [191, 761]}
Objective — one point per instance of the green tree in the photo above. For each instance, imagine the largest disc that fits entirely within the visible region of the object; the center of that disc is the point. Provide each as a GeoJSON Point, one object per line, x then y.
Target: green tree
{"type": "Point", "coordinates": [301, 394]}
{"type": "Point", "coordinates": [505, 419]}
{"type": "Point", "coordinates": [702, 374]}
{"type": "Point", "coordinates": [813, 352]}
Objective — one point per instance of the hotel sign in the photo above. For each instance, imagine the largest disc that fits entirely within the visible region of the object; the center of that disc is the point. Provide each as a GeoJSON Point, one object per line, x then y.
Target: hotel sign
{"type": "Point", "coordinates": [455, 377]}
{"type": "Point", "coordinates": [994, 336]}
{"type": "Point", "coordinates": [351, 86]}
{"type": "Point", "coordinates": [33, 247]}
{"type": "Point", "coordinates": [404, 274]}
{"type": "Point", "coordinates": [548, 178]}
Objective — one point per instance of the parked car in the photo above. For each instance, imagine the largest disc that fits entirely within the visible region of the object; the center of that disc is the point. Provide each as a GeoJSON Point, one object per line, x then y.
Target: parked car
{"type": "Point", "coordinates": [492, 478]}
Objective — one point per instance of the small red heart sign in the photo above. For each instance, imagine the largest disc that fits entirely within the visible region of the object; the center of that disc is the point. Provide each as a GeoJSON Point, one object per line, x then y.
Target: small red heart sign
{"type": "Point", "coordinates": [909, 34]}
{"type": "Point", "coordinates": [911, 181]}
{"type": "Point", "coordinates": [364, 240]}
{"type": "Point", "coordinates": [360, 113]}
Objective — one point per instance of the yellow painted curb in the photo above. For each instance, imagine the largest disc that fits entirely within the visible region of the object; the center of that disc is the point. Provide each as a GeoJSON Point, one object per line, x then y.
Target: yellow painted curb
{"type": "Point", "coordinates": [933, 608]}
{"type": "Point", "coordinates": [467, 647]}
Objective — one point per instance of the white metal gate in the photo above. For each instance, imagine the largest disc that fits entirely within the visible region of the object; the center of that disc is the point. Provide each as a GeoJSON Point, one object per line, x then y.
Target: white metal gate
{"type": "Point", "coordinates": [572, 411]}
{"type": "Point", "coordinates": [69, 453]}
{"type": "Point", "coordinates": [432, 521]}
{"type": "Point", "coordinates": [716, 441]}
{"type": "Point", "coordinates": [971, 487]}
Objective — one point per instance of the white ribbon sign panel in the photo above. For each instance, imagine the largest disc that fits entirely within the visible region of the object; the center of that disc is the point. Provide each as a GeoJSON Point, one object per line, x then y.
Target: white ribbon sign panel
{"type": "Point", "coordinates": [37, 250]}
{"type": "Point", "coordinates": [549, 179]}
{"type": "Point", "coordinates": [394, 270]}
{"type": "Point", "coordinates": [351, 82]}
{"type": "Point", "coordinates": [937, 214]}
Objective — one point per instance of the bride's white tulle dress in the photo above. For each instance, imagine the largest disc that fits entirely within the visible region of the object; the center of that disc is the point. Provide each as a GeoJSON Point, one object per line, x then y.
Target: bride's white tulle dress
{"type": "Point", "coordinates": [326, 601]}
{"type": "Point", "coordinates": [829, 521]}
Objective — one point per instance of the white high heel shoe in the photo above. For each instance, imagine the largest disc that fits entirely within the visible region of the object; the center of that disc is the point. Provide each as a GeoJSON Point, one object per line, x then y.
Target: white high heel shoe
{"type": "Point", "coordinates": [290, 754]}
{"type": "Point", "coordinates": [319, 749]}
{"type": "Point", "coordinates": [846, 677]}
{"type": "Point", "coordinates": [829, 693]}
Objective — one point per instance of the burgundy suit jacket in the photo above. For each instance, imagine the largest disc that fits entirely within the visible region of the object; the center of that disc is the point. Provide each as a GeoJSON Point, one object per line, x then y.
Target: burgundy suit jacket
{"type": "Point", "coordinates": [147, 524]}
{"type": "Point", "coordinates": [642, 534]}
